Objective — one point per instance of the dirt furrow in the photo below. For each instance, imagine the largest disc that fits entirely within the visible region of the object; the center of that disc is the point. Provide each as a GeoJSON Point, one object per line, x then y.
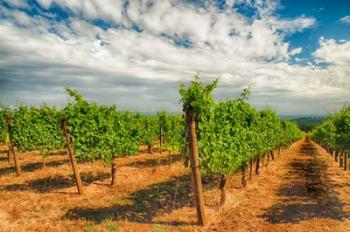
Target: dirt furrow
{"type": "Point", "coordinates": [303, 191]}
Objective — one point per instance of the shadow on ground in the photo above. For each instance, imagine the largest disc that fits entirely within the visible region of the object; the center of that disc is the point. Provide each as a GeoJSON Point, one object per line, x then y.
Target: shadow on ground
{"type": "Point", "coordinates": [144, 204]}
{"type": "Point", "coordinates": [308, 192]}
{"type": "Point", "coordinates": [155, 162]}
{"type": "Point", "coordinates": [30, 167]}
{"type": "Point", "coordinates": [2, 159]}
{"type": "Point", "coordinates": [54, 183]}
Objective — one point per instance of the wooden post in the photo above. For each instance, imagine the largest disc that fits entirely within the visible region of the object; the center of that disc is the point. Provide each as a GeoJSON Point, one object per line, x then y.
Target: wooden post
{"type": "Point", "coordinates": [196, 175]}
{"type": "Point", "coordinates": [336, 154]}
{"type": "Point", "coordinates": [257, 166]}
{"type": "Point", "coordinates": [114, 172]}
{"type": "Point", "coordinates": [169, 159]}
{"type": "Point", "coordinates": [251, 169]}
{"type": "Point", "coordinates": [243, 179]}
{"type": "Point", "coordinates": [15, 158]}
{"type": "Point", "coordinates": [72, 156]}
{"type": "Point", "coordinates": [11, 146]}
{"type": "Point", "coordinates": [279, 151]}
{"type": "Point", "coordinates": [345, 161]}
{"type": "Point", "coordinates": [8, 155]}
{"type": "Point", "coordinates": [222, 189]}
{"type": "Point", "coordinates": [149, 148]}
{"type": "Point", "coordinates": [262, 160]}
{"type": "Point", "coordinates": [160, 139]}
{"type": "Point", "coordinates": [272, 155]}
{"type": "Point", "coordinates": [341, 155]}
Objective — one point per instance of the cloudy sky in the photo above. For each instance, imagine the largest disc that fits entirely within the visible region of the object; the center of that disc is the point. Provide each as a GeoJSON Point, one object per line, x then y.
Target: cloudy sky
{"type": "Point", "coordinates": [294, 54]}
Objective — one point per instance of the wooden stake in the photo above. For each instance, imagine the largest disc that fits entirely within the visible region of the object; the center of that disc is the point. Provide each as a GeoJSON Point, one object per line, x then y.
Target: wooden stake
{"type": "Point", "coordinates": [251, 169]}
{"type": "Point", "coordinates": [272, 155]}
{"type": "Point", "coordinates": [114, 172]}
{"type": "Point", "coordinates": [15, 158]}
{"type": "Point", "coordinates": [196, 175]}
{"type": "Point", "coordinates": [345, 161]}
{"type": "Point", "coordinates": [8, 155]}
{"type": "Point", "coordinates": [160, 139]}
{"type": "Point", "coordinates": [222, 189]}
{"type": "Point", "coordinates": [169, 158]}
{"type": "Point", "coordinates": [72, 156]}
{"type": "Point", "coordinates": [262, 160]}
{"type": "Point", "coordinates": [279, 151]}
{"type": "Point", "coordinates": [11, 146]}
{"type": "Point", "coordinates": [336, 154]}
{"type": "Point", "coordinates": [243, 179]}
{"type": "Point", "coordinates": [257, 166]}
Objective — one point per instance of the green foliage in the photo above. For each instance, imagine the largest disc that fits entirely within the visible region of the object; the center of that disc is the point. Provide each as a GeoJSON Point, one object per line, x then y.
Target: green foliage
{"type": "Point", "coordinates": [101, 132]}
{"type": "Point", "coordinates": [150, 129]}
{"type": "Point", "coordinates": [232, 132]}
{"type": "Point", "coordinates": [334, 133]}
{"type": "Point", "coordinates": [198, 97]}
{"type": "Point", "coordinates": [290, 132]}
{"type": "Point", "coordinates": [98, 132]}
{"type": "Point", "coordinates": [309, 123]}
{"type": "Point", "coordinates": [104, 133]}
{"type": "Point", "coordinates": [35, 128]}
{"type": "Point", "coordinates": [172, 127]}
{"type": "Point", "coordinates": [173, 132]}
{"type": "Point", "coordinates": [3, 125]}
{"type": "Point", "coordinates": [325, 133]}
{"type": "Point", "coordinates": [342, 125]}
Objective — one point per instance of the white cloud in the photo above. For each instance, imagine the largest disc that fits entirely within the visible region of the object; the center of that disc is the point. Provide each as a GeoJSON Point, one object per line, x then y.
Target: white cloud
{"type": "Point", "coordinates": [18, 3]}
{"type": "Point", "coordinates": [295, 25]}
{"type": "Point", "coordinates": [296, 51]}
{"type": "Point", "coordinates": [333, 52]}
{"type": "Point", "coordinates": [254, 53]}
{"type": "Point", "coordinates": [108, 9]}
{"type": "Point", "coordinates": [345, 19]}
{"type": "Point", "coordinates": [45, 3]}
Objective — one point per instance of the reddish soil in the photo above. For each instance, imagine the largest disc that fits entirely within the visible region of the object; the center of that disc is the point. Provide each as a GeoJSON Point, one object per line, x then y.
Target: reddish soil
{"type": "Point", "coordinates": [303, 190]}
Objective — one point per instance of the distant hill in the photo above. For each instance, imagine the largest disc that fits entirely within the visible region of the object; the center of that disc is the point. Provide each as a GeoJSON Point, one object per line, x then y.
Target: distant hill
{"type": "Point", "coordinates": [306, 123]}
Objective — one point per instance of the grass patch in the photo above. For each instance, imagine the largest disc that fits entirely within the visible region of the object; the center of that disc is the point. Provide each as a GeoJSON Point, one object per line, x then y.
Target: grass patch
{"type": "Point", "coordinates": [89, 227]}
{"type": "Point", "coordinates": [112, 226]}
{"type": "Point", "coordinates": [159, 228]}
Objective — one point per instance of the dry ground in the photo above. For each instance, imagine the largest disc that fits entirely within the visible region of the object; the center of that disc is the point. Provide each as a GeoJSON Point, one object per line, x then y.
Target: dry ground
{"type": "Point", "coordinates": [303, 190]}
{"type": "Point", "coordinates": [306, 191]}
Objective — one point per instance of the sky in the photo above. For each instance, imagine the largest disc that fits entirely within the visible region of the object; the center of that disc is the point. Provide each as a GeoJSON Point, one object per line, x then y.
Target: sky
{"type": "Point", "coordinates": [293, 54]}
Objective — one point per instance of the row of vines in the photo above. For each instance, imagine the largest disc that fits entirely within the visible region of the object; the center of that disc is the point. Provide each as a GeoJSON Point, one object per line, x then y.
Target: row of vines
{"type": "Point", "coordinates": [334, 135]}
{"type": "Point", "coordinates": [97, 132]}
{"type": "Point", "coordinates": [231, 133]}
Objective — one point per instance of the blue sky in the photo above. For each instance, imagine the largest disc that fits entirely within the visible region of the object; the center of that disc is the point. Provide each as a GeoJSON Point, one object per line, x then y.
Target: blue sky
{"type": "Point", "coordinates": [294, 54]}
{"type": "Point", "coordinates": [327, 13]}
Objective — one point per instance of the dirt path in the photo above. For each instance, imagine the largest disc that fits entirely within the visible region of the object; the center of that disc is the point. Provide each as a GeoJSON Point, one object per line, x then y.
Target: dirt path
{"type": "Point", "coordinates": [304, 191]}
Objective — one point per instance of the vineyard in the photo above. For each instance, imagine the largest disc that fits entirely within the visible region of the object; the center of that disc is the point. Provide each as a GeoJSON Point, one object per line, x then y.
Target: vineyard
{"type": "Point", "coordinates": [161, 164]}
{"type": "Point", "coordinates": [334, 136]}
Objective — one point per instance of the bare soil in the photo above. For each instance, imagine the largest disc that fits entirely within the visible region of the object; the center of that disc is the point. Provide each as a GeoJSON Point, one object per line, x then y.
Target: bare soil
{"type": "Point", "coordinates": [302, 190]}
